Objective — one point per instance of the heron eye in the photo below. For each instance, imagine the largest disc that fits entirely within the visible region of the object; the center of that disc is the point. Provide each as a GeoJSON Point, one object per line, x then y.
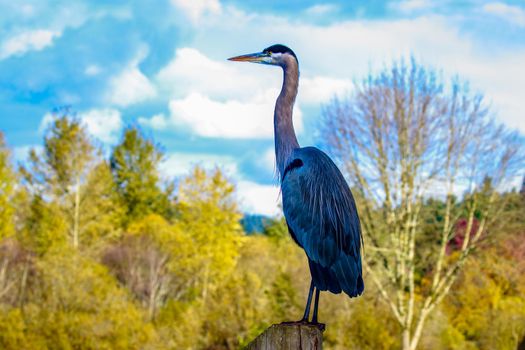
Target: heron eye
{"type": "Point", "coordinates": [269, 53]}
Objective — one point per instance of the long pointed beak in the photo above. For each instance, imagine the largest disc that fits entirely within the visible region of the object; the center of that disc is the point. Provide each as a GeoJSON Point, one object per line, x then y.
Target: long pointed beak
{"type": "Point", "coordinates": [259, 57]}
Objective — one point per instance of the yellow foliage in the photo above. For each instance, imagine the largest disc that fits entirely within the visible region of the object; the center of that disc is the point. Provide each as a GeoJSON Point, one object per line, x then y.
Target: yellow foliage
{"type": "Point", "coordinates": [209, 216]}
{"type": "Point", "coordinates": [485, 308]}
{"type": "Point", "coordinates": [184, 275]}
{"type": "Point", "coordinates": [78, 305]}
{"type": "Point", "coordinates": [7, 190]}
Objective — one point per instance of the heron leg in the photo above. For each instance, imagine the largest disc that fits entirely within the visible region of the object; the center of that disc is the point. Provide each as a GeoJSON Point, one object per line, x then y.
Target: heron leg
{"type": "Point", "coordinates": [316, 306]}
{"type": "Point", "coordinates": [308, 303]}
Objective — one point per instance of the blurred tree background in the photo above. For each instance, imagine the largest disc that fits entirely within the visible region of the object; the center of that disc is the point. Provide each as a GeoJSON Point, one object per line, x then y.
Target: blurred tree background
{"type": "Point", "coordinates": [101, 252]}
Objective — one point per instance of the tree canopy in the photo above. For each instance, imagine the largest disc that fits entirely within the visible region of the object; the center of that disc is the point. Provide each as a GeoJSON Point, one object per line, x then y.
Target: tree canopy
{"type": "Point", "coordinates": [101, 250]}
{"type": "Point", "coordinates": [403, 136]}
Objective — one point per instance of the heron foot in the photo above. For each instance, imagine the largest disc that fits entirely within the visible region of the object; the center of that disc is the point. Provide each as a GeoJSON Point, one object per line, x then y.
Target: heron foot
{"type": "Point", "coordinates": [321, 326]}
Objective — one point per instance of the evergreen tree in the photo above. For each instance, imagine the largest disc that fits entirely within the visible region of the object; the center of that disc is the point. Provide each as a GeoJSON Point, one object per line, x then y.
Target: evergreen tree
{"type": "Point", "coordinates": [134, 164]}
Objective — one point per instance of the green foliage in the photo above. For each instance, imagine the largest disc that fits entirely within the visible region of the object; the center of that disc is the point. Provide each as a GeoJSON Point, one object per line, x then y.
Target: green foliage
{"type": "Point", "coordinates": [277, 229]}
{"type": "Point", "coordinates": [45, 226]}
{"type": "Point", "coordinates": [134, 164]}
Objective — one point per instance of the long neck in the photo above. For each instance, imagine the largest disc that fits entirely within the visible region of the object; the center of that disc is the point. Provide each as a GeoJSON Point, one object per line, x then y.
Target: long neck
{"type": "Point", "coordinates": [285, 139]}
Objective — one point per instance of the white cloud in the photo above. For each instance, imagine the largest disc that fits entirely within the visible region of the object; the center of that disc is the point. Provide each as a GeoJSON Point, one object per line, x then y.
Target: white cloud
{"type": "Point", "coordinates": [257, 198]}
{"type": "Point", "coordinates": [350, 49]}
{"type": "Point", "coordinates": [499, 79]}
{"type": "Point", "coordinates": [157, 122]}
{"type": "Point", "coordinates": [343, 49]}
{"type": "Point", "coordinates": [196, 9]}
{"type": "Point", "coordinates": [319, 89]}
{"type": "Point", "coordinates": [179, 164]}
{"type": "Point", "coordinates": [131, 86]}
{"type": "Point", "coordinates": [253, 197]}
{"type": "Point", "coordinates": [33, 40]}
{"type": "Point", "coordinates": [220, 98]}
{"type": "Point", "coordinates": [229, 119]}
{"type": "Point", "coordinates": [52, 22]}
{"type": "Point", "coordinates": [509, 13]}
{"type": "Point", "coordinates": [104, 124]}
{"type": "Point", "coordinates": [192, 71]}
{"type": "Point", "coordinates": [227, 99]}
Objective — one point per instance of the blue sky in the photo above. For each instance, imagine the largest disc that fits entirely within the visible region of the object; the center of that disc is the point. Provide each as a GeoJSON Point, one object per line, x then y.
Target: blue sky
{"type": "Point", "coordinates": [162, 65]}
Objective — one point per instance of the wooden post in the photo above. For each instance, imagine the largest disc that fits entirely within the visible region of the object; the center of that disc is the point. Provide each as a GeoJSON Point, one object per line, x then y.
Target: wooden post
{"type": "Point", "coordinates": [289, 336]}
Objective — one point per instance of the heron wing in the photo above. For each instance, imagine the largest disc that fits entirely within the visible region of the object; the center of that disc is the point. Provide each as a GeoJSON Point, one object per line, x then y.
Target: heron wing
{"type": "Point", "coordinates": [321, 212]}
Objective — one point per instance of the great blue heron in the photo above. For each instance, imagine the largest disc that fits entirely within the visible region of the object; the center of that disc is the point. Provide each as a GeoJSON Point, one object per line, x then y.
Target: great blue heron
{"type": "Point", "coordinates": [318, 205]}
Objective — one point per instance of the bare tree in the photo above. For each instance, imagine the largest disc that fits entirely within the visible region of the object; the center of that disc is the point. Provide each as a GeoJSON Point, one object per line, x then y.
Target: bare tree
{"type": "Point", "coordinates": [153, 260]}
{"type": "Point", "coordinates": [139, 264]}
{"type": "Point", "coordinates": [404, 136]}
{"type": "Point", "coordinates": [15, 264]}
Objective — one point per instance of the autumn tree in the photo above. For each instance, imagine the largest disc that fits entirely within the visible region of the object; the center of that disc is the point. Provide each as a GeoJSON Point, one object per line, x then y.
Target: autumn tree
{"type": "Point", "coordinates": [487, 308]}
{"type": "Point", "coordinates": [179, 270]}
{"type": "Point", "coordinates": [209, 213]}
{"type": "Point", "coordinates": [154, 260]}
{"type": "Point", "coordinates": [71, 184]}
{"type": "Point", "coordinates": [402, 136]}
{"type": "Point", "coordinates": [76, 304]}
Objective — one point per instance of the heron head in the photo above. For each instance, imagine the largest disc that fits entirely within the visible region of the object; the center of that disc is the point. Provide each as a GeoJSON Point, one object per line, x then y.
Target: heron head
{"type": "Point", "coordinates": [275, 55]}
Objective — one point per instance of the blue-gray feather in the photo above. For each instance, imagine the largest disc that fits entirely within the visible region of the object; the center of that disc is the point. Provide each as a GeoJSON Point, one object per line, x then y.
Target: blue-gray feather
{"type": "Point", "coordinates": [322, 216]}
